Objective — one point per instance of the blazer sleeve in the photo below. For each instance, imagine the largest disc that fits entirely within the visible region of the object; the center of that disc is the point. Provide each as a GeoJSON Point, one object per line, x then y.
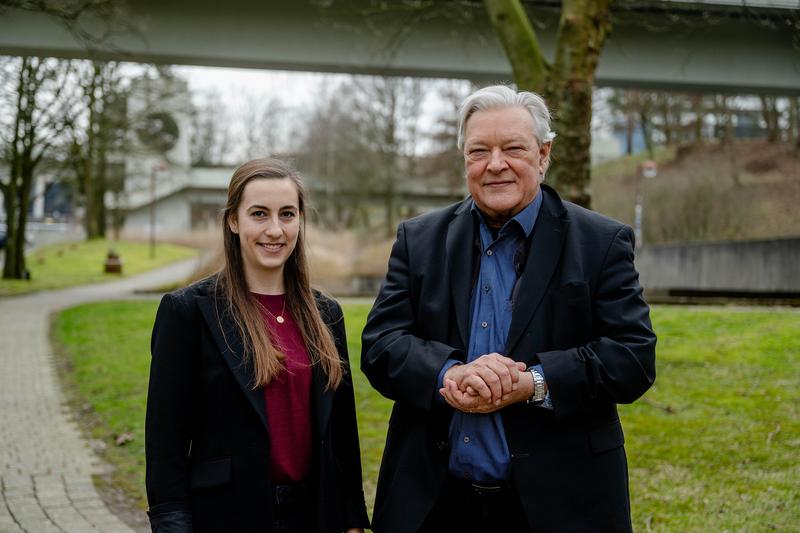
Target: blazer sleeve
{"type": "Point", "coordinates": [618, 363]}
{"type": "Point", "coordinates": [169, 404]}
{"type": "Point", "coordinates": [345, 432]}
{"type": "Point", "coordinates": [400, 365]}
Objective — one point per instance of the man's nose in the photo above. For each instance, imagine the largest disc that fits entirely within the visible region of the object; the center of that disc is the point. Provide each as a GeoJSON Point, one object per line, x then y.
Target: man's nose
{"type": "Point", "coordinates": [497, 163]}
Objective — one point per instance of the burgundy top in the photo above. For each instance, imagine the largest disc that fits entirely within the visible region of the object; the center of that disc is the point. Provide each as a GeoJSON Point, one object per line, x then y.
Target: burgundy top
{"type": "Point", "coordinates": [288, 397]}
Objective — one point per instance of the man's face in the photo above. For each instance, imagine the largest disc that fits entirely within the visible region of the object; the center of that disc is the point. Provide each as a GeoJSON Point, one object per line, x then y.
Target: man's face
{"type": "Point", "coordinates": [503, 161]}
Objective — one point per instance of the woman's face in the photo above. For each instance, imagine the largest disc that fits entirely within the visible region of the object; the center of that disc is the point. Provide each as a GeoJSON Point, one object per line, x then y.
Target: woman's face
{"type": "Point", "coordinates": [267, 222]}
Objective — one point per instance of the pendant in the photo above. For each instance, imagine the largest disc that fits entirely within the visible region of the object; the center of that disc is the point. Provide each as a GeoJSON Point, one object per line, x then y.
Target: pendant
{"type": "Point", "coordinates": [279, 319]}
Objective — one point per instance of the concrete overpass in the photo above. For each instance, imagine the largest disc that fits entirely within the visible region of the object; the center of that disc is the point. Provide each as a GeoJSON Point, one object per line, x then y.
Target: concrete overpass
{"type": "Point", "coordinates": [680, 45]}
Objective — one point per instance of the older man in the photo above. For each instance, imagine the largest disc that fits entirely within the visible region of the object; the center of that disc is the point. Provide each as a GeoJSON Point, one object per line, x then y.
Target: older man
{"type": "Point", "coordinates": [507, 330]}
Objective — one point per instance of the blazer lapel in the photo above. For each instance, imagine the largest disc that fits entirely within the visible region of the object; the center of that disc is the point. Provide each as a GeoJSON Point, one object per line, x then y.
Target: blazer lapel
{"type": "Point", "coordinates": [543, 258]}
{"type": "Point", "coordinates": [230, 345]}
{"type": "Point", "coordinates": [459, 250]}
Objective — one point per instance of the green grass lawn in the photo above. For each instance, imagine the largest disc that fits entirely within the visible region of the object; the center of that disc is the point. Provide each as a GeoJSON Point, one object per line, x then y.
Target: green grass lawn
{"type": "Point", "coordinates": [713, 446]}
{"type": "Point", "coordinates": [78, 263]}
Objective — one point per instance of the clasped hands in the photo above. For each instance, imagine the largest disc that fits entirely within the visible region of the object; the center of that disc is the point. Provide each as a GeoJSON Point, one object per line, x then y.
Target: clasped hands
{"type": "Point", "coordinates": [487, 384]}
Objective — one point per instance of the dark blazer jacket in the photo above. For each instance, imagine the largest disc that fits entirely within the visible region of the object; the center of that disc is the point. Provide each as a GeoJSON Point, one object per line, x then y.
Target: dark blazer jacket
{"type": "Point", "coordinates": [579, 312]}
{"type": "Point", "coordinates": [207, 445]}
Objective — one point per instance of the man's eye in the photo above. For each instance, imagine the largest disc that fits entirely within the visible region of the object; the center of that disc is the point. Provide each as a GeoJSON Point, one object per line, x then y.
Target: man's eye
{"type": "Point", "coordinates": [515, 149]}
{"type": "Point", "coordinates": [478, 152]}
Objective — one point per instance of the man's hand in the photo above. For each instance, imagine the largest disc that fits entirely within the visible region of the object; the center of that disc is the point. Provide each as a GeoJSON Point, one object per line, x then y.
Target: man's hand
{"type": "Point", "coordinates": [490, 378]}
{"type": "Point", "coordinates": [473, 403]}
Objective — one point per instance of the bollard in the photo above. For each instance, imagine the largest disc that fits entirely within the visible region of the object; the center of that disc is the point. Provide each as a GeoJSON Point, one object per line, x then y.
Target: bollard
{"type": "Point", "coordinates": [113, 264]}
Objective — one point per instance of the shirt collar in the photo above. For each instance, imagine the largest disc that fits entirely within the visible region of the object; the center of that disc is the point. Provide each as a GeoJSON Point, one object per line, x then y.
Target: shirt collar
{"type": "Point", "coordinates": [525, 218]}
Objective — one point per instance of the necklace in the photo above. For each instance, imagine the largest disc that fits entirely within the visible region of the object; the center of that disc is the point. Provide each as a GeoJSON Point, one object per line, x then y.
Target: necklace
{"type": "Point", "coordinates": [278, 318]}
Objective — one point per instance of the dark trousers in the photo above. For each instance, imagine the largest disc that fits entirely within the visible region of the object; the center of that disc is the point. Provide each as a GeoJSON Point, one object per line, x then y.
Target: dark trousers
{"type": "Point", "coordinates": [293, 510]}
{"type": "Point", "coordinates": [469, 508]}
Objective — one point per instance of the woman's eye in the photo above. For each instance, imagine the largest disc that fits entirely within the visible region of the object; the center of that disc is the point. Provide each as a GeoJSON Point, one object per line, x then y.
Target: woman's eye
{"type": "Point", "coordinates": [258, 213]}
{"type": "Point", "coordinates": [287, 214]}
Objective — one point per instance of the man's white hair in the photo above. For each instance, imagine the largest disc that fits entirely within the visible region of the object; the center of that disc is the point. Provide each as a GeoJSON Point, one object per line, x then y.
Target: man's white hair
{"type": "Point", "coordinates": [496, 96]}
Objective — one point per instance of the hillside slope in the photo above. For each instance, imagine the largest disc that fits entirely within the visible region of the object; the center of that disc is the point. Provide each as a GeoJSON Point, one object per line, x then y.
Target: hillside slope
{"type": "Point", "coordinates": [708, 192]}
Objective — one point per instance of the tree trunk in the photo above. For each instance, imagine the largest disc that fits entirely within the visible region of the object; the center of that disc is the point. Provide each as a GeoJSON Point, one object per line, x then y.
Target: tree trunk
{"type": "Point", "coordinates": [582, 31]}
{"type": "Point", "coordinates": [16, 202]}
{"type": "Point", "coordinates": [87, 155]}
{"type": "Point", "coordinates": [513, 27]}
{"type": "Point", "coordinates": [699, 114]}
{"type": "Point", "coordinates": [15, 190]}
{"type": "Point", "coordinates": [630, 127]}
{"type": "Point", "coordinates": [724, 120]}
{"type": "Point", "coordinates": [647, 127]}
{"type": "Point", "coordinates": [769, 111]}
{"type": "Point", "coordinates": [12, 269]}
{"type": "Point", "coordinates": [666, 116]}
{"type": "Point", "coordinates": [390, 157]}
{"type": "Point", "coordinates": [794, 121]}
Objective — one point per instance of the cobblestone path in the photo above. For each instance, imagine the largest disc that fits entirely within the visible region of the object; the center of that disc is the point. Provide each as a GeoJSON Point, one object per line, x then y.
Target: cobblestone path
{"type": "Point", "coordinates": [46, 467]}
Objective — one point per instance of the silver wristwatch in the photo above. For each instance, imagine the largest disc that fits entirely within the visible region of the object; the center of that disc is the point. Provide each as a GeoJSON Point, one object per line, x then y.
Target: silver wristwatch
{"type": "Point", "coordinates": [538, 388]}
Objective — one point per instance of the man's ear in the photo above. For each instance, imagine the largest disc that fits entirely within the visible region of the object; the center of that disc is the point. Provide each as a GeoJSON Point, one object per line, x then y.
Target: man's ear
{"type": "Point", "coordinates": [544, 156]}
{"type": "Point", "coordinates": [233, 224]}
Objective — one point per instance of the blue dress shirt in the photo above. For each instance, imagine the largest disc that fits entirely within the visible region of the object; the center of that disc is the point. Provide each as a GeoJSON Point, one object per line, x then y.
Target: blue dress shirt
{"type": "Point", "coordinates": [479, 450]}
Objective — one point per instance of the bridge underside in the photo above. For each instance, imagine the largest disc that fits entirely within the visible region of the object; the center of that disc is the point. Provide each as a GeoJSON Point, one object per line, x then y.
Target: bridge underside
{"type": "Point", "coordinates": [728, 51]}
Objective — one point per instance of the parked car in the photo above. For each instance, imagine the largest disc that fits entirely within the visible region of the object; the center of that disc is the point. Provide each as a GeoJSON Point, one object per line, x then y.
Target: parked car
{"type": "Point", "coordinates": [4, 236]}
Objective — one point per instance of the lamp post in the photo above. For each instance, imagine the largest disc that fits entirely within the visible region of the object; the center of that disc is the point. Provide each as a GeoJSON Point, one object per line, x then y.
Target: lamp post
{"type": "Point", "coordinates": [648, 169]}
{"type": "Point", "coordinates": [158, 132]}
{"type": "Point", "coordinates": [153, 170]}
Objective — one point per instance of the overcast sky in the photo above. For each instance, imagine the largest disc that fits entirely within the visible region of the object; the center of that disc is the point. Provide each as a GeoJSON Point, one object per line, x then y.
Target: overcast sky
{"type": "Point", "coordinates": [296, 89]}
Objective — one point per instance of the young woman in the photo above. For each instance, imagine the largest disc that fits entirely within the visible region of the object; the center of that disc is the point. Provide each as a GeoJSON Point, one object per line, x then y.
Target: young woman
{"type": "Point", "coordinates": [251, 420]}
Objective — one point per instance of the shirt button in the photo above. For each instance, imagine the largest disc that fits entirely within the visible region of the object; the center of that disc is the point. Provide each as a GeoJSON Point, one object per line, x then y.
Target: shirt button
{"type": "Point", "coordinates": [485, 288]}
{"type": "Point", "coordinates": [466, 439]}
{"type": "Point", "coordinates": [489, 252]}
{"type": "Point", "coordinates": [484, 324]}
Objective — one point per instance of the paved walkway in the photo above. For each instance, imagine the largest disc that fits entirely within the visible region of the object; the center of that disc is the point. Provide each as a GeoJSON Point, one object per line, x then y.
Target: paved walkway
{"type": "Point", "coordinates": [46, 467]}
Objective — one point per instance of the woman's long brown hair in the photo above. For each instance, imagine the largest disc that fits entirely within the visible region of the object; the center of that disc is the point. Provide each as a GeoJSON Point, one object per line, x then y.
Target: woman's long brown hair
{"type": "Point", "coordinates": [266, 357]}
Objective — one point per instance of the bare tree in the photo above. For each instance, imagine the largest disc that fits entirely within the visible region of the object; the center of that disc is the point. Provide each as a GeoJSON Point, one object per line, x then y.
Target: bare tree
{"type": "Point", "coordinates": [39, 101]}
{"type": "Point", "coordinates": [331, 149]}
{"type": "Point", "coordinates": [362, 138]}
{"type": "Point", "coordinates": [263, 124]}
{"type": "Point", "coordinates": [211, 132]}
{"type": "Point", "coordinates": [771, 116]}
{"type": "Point", "coordinates": [389, 109]}
{"type": "Point", "coordinates": [97, 135]}
{"type": "Point", "coordinates": [90, 22]}
{"type": "Point", "coordinates": [794, 121]}
{"type": "Point", "coordinates": [443, 160]}
{"type": "Point", "coordinates": [724, 118]}
{"type": "Point", "coordinates": [636, 108]}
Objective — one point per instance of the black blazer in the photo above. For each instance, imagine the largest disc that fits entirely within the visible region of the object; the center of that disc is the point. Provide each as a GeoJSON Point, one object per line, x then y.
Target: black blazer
{"type": "Point", "coordinates": [207, 443]}
{"type": "Point", "coordinates": [579, 312]}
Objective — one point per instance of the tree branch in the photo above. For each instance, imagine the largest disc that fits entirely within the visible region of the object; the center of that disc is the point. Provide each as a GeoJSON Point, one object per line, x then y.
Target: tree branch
{"type": "Point", "coordinates": [516, 33]}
